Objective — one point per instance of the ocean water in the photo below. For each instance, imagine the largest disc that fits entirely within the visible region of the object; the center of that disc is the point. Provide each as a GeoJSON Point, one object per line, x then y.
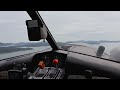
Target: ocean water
{"type": "Point", "coordinates": [12, 54]}
{"type": "Point", "coordinates": [108, 48]}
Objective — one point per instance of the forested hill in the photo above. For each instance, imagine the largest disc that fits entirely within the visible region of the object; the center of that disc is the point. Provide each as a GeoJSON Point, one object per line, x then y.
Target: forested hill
{"type": "Point", "coordinates": [23, 46]}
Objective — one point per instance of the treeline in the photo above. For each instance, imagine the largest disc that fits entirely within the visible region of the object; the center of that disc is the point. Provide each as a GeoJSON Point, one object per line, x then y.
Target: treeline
{"type": "Point", "coordinates": [35, 44]}
{"type": "Point", "coordinates": [4, 44]}
{"type": "Point", "coordinates": [93, 42]}
{"type": "Point", "coordinates": [12, 49]}
{"type": "Point", "coordinates": [19, 46]}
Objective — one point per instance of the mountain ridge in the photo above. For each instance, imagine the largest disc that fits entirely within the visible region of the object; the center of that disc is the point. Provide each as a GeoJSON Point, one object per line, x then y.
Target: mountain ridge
{"type": "Point", "coordinates": [36, 44]}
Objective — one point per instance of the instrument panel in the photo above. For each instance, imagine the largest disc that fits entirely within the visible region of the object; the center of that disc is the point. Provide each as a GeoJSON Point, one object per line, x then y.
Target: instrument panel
{"type": "Point", "coordinates": [53, 63]}
{"type": "Point", "coordinates": [48, 57]}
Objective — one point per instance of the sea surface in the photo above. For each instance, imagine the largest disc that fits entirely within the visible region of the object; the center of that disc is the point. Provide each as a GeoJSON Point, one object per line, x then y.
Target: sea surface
{"type": "Point", "coordinates": [108, 48]}
{"type": "Point", "coordinates": [12, 54]}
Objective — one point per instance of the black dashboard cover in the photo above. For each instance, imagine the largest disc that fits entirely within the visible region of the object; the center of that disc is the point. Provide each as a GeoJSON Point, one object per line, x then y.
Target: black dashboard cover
{"type": "Point", "coordinates": [76, 63]}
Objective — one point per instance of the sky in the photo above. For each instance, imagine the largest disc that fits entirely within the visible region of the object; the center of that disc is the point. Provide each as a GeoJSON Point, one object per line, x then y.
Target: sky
{"type": "Point", "coordinates": [64, 25]}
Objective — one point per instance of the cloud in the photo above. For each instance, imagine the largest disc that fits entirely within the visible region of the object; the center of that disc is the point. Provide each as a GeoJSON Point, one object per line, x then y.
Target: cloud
{"type": "Point", "coordinates": [64, 25]}
{"type": "Point", "coordinates": [94, 25]}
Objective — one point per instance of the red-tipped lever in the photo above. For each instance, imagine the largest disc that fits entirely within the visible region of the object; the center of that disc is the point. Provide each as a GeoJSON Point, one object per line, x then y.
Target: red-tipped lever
{"type": "Point", "coordinates": [55, 61]}
{"type": "Point", "coordinates": [41, 64]}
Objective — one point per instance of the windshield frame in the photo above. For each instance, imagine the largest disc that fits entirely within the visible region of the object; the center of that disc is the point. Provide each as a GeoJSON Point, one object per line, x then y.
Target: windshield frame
{"type": "Point", "coordinates": [35, 15]}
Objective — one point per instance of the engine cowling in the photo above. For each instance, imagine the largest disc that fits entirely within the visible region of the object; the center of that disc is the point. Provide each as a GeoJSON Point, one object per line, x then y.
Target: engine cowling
{"type": "Point", "coordinates": [115, 54]}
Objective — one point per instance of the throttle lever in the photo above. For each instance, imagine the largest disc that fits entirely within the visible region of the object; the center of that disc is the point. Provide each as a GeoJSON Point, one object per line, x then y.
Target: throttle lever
{"type": "Point", "coordinates": [56, 61]}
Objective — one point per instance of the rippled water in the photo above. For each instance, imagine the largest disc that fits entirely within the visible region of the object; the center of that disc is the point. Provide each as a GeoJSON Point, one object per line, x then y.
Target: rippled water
{"type": "Point", "coordinates": [108, 48]}
{"type": "Point", "coordinates": [35, 49]}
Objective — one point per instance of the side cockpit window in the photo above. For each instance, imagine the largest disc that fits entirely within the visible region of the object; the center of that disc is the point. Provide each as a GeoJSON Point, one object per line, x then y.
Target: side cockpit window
{"type": "Point", "coordinates": [14, 36]}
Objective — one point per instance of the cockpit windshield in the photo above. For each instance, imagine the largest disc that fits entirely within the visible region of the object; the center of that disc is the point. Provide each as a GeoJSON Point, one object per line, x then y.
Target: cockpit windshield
{"type": "Point", "coordinates": [89, 28]}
